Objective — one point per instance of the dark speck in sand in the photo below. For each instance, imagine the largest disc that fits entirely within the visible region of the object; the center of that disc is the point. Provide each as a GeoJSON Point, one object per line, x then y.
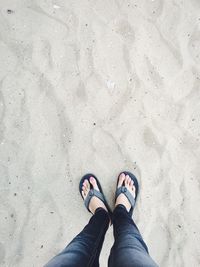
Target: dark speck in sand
{"type": "Point", "coordinates": [10, 11]}
{"type": "Point", "coordinates": [94, 123]}
{"type": "Point", "coordinates": [15, 194]}
{"type": "Point", "coordinates": [12, 215]}
{"type": "Point", "coordinates": [41, 246]}
{"type": "Point", "coordinates": [179, 225]}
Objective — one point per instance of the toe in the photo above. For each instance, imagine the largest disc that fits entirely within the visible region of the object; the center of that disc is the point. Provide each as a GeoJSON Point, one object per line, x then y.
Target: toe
{"type": "Point", "coordinates": [121, 179]}
{"type": "Point", "coordinates": [134, 192]}
{"type": "Point", "coordinates": [87, 185]}
{"type": "Point", "coordinates": [130, 180]}
{"type": "Point", "coordinates": [126, 180]}
{"type": "Point", "coordinates": [131, 183]}
{"type": "Point", "coordinates": [133, 188]}
{"type": "Point", "coordinates": [86, 191]}
{"type": "Point", "coordinates": [84, 183]}
{"type": "Point", "coordinates": [94, 183]}
{"type": "Point", "coordinates": [83, 193]}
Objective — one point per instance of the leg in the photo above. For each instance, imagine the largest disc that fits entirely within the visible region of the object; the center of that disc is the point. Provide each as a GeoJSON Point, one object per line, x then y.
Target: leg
{"type": "Point", "coordinates": [85, 248]}
{"type": "Point", "coordinates": [129, 249]}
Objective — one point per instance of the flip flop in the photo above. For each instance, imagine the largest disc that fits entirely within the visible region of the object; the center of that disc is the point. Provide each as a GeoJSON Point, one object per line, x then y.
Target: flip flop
{"type": "Point", "coordinates": [93, 192]}
{"type": "Point", "coordinates": [125, 191]}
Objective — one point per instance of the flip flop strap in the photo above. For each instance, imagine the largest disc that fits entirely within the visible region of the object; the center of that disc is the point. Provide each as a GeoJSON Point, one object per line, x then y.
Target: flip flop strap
{"type": "Point", "coordinates": [92, 193]}
{"type": "Point", "coordinates": [125, 191]}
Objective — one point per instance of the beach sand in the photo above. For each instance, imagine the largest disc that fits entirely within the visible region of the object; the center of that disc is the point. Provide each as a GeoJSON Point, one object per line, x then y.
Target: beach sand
{"type": "Point", "coordinates": [99, 86]}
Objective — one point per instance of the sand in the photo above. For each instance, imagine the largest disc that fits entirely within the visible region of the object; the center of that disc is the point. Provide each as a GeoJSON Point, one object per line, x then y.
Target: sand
{"type": "Point", "coordinates": [99, 86]}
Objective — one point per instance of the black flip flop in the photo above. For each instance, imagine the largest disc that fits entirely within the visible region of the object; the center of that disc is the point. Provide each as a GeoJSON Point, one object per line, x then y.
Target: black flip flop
{"type": "Point", "coordinates": [123, 189]}
{"type": "Point", "coordinates": [93, 192]}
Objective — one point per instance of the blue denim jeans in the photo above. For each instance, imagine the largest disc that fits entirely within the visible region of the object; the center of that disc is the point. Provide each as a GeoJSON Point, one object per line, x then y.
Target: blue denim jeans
{"type": "Point", "coordinates": [129, 249]}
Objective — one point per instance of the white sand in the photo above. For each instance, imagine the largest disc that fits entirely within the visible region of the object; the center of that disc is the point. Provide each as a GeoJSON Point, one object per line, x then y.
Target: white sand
{"type": "Point", "coordinates": [99, 86]}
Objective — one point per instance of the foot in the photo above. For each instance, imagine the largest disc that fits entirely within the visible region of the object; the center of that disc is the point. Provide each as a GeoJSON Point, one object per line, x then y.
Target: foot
{"type": "Point", "coordinates": [95, 202]}
{"type": "Point", "coordinates": [129, 184]}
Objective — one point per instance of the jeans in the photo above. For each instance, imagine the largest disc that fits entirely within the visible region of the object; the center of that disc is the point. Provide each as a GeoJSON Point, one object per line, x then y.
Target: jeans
{"type": "Point", "coordinates": [129, 249]}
